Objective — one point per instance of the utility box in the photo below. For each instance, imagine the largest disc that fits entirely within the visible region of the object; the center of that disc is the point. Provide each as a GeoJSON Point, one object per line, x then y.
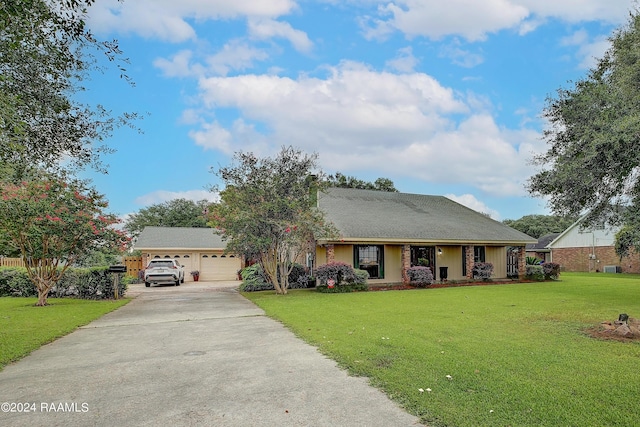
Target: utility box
{"type": "Point", "coordinates": [612, 269]}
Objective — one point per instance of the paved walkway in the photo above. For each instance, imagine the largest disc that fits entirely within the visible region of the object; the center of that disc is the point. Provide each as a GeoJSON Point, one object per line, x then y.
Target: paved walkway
{"type": "Point", "coordinates": [195, 355]}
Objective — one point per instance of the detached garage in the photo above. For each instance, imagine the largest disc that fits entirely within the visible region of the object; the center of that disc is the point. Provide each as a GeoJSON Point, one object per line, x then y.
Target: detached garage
{"type": "Point", "coordinates": [196, 248]}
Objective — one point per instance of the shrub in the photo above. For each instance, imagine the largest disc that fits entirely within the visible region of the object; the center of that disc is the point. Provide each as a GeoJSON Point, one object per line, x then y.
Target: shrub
{"type": "Point", "coordinates": [420, 276]}
{"type": "Point", "coordinates": [254, 279]}
{"type": "Point", "coordinates": [339, 272]}
{"type": "Point", "coordinates": [551, 270]}
{"type": "Point", "coordinates": [531, 260]}
{"type": "Point", "coordinates": [534, 272]}
{"type": "Point", "coordinates": [84, 283]}
{"type": "Point", "coordinates": [482, 270]}
{"type": "Point", "coordinates": [343, 276]}
{"type": "Point", "coordinates": [14, 282]}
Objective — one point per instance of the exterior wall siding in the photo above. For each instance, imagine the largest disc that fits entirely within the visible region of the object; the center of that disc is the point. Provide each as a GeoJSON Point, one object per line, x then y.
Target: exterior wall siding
{"type": "Point", "coordinates": [392, 263]}
{"type": "Point", "coordinates": [579, 259]}
{"type": "Point", "coordinates": [498, 257]}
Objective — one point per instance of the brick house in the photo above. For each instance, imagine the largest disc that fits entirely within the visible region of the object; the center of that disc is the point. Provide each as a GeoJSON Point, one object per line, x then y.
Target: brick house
{"type": "Point", "coordinates": [591, 250]}
{"type": "Point", "coordinates": [386, 233]}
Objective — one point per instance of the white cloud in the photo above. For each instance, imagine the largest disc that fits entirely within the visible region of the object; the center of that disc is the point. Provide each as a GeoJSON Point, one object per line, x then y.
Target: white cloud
{"type": "Point", "coordinates": [473, 20]}
{"type": "Point", "coordinates": [269, 28]}
{"type": "Point", "coordinates": [162, 196]}
{"type": "Point", "coordinates": [470, 201]}
{"type": "Point", "coordinates": [168, 19]}
{"type": "Point", "coordinates": [459, 56]}
{"type": "Point", "coordinates": [404, 62]}
{"type": "Point", "coordinates": [590, 50]}
{"type": "Point", "coordinates": [360, 119]}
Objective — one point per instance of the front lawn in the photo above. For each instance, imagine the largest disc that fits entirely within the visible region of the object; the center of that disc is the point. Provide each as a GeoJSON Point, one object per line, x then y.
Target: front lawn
{"type": "Point", "coordinates": [24, 327]}
{"type": "Point", "coordinates": [503, 355]}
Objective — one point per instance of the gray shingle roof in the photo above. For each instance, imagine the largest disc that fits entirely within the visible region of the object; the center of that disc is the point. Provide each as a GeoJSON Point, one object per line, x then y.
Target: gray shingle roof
{"type": "Point", "coordinates": [368, 214]}
{"type": "Point", "coordinates": [179, 238]}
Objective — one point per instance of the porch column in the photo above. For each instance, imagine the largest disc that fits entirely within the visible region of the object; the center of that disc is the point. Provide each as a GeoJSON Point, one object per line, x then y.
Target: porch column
{"type": "Point", "coordinates": [522, 262]}
{"type": "Point", "coordinates": [469, 261]}
{"type": "Point", "coordinates": [406, 262]}
{"type": "Point", "coordinates": [331, 255]}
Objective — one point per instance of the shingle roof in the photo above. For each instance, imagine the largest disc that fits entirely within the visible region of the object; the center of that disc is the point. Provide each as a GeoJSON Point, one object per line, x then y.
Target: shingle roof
{"type": "Point", "coordinates": [368, 214]}
{"type": "Point", "coordinates": [543, 242]}
{"type": "Point", "coordinates": [179, 238]}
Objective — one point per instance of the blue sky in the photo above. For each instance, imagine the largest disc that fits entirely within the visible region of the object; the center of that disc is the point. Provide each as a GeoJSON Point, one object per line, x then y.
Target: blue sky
{"type": "Point", "coordinates": [442, 97]}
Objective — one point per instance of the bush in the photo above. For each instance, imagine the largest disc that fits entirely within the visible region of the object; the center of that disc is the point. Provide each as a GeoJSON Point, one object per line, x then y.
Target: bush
{"type": "Point", "coordinates": [344, 278]}
{"type": "Point", "coordinates": [14, 282]}
{"type": "Point", "coordinates": [83, 283]}
{"type": "Point", "coordinates": [531, 260]}
{"type": "Point", "coordinates": [420, 276]}
{"type": "Point", "coordinates": [551, 270]}
{"type": "Point", "coordinates": [534, 272]}
{"type": "Point", "coordinates": [482, 270]}
{"type": "Point", "coordinates": [254, 279]}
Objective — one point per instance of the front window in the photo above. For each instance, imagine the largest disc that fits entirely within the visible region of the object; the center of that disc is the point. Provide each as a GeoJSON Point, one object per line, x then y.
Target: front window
{"type": "Point", "coordinates": [371, 259]}
{"type": "Point", "coordinates": [478, 254]}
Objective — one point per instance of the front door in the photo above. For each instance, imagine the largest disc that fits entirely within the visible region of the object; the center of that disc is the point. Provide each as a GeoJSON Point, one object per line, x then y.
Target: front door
{"type": "Point", "coordinates": [424, 256]}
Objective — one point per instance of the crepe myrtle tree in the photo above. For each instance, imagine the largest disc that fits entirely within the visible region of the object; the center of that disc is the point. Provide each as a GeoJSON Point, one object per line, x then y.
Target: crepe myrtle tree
{"type": "Point", "coordinates": [53, 222]}
{"type": "Point", "coordinates": [267, 210]}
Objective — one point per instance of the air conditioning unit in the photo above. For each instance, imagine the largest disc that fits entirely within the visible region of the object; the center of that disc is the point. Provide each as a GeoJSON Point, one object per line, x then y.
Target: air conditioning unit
{"type": "Point", "coordinates": [612, 269]}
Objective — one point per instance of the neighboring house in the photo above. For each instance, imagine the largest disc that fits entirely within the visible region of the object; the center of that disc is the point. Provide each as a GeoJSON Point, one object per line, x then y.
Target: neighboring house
{"type": "Point", "coordinates": [386, 233]}
{"type": "Point", "coordinates": [590, 250]}
{"type": "Point", "coordinates": [196, 248]}
{"type": "Point", "coordinates": [540, 249]}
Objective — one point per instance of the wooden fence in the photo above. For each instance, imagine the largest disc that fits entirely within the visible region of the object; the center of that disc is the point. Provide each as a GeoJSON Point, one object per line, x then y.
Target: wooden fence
{"type": "Point", "coordinates": [133, 264]}
{"type": "Point", "coordinates": [11, 262]}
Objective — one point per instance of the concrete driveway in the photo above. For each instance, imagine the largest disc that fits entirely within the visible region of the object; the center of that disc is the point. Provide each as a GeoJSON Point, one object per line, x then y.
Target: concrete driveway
{"type": "Point", "coordinates": [195, 355]}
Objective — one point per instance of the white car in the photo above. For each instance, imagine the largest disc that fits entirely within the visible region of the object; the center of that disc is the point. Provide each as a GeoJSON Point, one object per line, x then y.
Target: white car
{"type": "Point", "coordinates": [163, 271]}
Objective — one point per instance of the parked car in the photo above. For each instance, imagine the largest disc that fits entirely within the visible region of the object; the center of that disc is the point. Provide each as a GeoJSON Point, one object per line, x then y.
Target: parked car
{"type": "Point", "coordinates": [163, 271]}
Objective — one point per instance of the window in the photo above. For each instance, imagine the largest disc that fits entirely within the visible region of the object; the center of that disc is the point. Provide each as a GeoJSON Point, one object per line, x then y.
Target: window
{"type": "Point", "coordinates": [478, 254]}
{"type": "Point", "coordinates": [371, 259]}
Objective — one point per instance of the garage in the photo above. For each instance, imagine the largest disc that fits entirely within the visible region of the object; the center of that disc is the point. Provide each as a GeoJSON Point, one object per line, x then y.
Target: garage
{"type": "Point", "coordinates": [219, 267]}
{"type": "Point", "coordinates": [197, 249]}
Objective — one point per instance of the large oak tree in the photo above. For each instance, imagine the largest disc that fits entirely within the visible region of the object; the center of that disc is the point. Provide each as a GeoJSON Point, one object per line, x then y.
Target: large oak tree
{"type": "Point", "coordinates": [592, 165]}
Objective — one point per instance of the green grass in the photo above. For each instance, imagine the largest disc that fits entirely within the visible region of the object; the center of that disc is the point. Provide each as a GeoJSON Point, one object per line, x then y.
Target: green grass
{"type": "Point", "coordinates": [518, 354]}
{"type": "Point", "coordinates": [24, 327]}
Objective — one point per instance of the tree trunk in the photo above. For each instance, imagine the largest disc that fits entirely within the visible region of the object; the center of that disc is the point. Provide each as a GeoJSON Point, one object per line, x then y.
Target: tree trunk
{"type": "Point", "coordinates": [42, 297]}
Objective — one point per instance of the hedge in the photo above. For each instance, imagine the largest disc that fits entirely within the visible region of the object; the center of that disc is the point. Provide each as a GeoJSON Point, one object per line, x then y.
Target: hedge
{"type": "Point", "coordinates": [83, 283]}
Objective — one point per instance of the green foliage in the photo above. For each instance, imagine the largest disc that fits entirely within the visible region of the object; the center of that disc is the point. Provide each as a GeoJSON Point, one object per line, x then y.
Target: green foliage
{"type": "Point", "coordinates": [254, 279]}
{"type": "Point", "coordinates": [83, 283]}
{"type": "Point", "coordinates": [534, 272]}
{"type": "Point", "coordinates": [540, 225]}
{"type": "Point", "coordinates": [551, 270]}
{"type": "Point", "coordinates": [174, 213]}
{"type": "Point", "coordinates": [531, 260]}
{"type": "Point", "coordinates": [46, 52]}
{"type": "Point", "coordinates": [420, 276]}
{"type": "Point", "coordinates": [343, 181]}
{"type": "Point", "coordinates": [527, 341]}
{"type": "Point", "coordinates": [482, 270]}
{"type": "Point", "coordinates": [25, 327]}
{"type": "Point", "coordinates": [340, 277]}
{"type": "Point", "coordinates": [266, 210]}
{"type": "Point", "coordinates": [593, 158]}
{"type": "Point", "coordinates": [14, 282]}
{"type": "Point", "coordinates": [54, 223]}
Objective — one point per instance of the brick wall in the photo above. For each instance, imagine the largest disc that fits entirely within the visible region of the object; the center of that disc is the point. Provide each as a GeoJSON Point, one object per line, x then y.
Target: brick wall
{"type": "Point", "coordinates": [578, 259]}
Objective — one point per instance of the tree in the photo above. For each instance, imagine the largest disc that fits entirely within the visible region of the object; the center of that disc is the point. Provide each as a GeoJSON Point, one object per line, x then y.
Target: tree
{"type": "Point", "coordinates": [267, 211]}
{"type": "Point", "coordinates": [592, 164]}
{"type": "Point", "coordinates": [45, 54]}
{"type": "Point", "coordinates": [174, 213]}
{"type": "Point", "coordinates": [539, 225]}
{"type": "Point", "coordinates": [344, 181]}
{"type": "Point", "coordinates": [53, 223]}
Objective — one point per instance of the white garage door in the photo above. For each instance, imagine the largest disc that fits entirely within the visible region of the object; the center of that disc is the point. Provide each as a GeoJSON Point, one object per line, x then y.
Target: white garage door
{"type": "Point", "coordinates": [219, 267]}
